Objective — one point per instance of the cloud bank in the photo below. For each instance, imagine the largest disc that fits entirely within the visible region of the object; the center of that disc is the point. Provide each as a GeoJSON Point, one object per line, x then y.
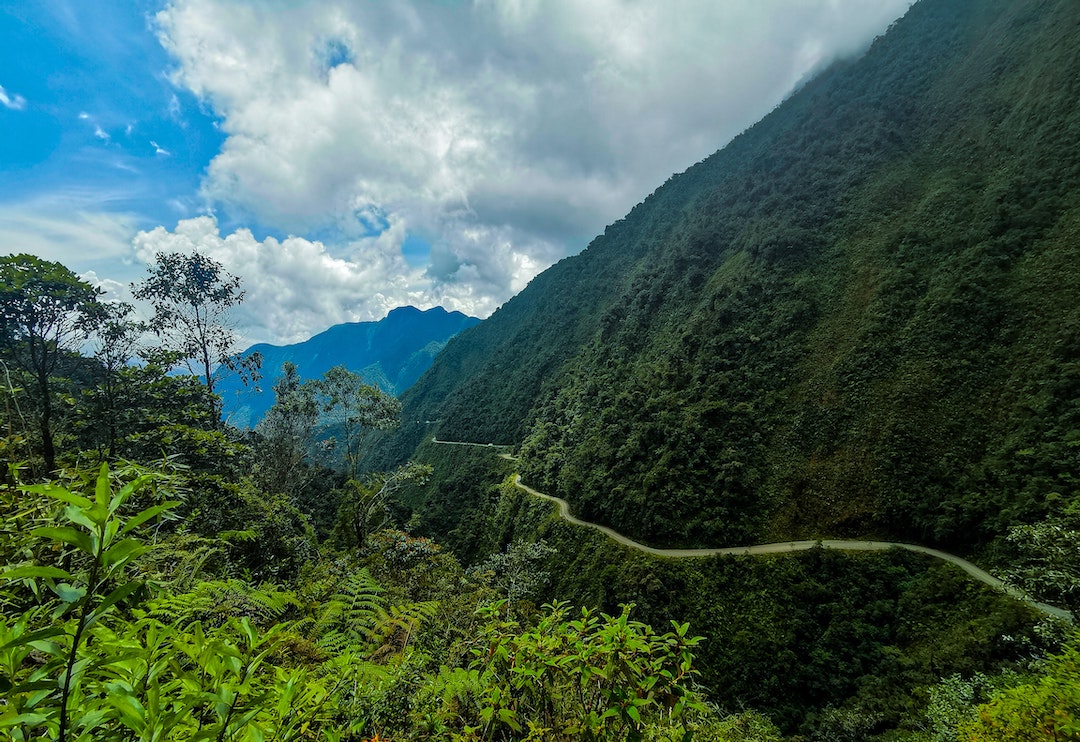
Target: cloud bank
{"type": "Point", "coordinates": [504, 134]}
{"type": "Point", "coordinates": [296, 284]}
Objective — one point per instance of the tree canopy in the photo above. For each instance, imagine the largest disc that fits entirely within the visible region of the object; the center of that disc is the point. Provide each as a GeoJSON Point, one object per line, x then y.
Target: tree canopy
{"type": "Point", "coordinates": [44, 314]}
{"type": "Point", "coordinates": [191, 295]}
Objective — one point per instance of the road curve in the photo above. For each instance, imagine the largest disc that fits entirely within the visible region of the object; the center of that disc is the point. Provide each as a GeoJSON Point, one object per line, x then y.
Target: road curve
{"type": "Point", "coordinates": [784, 547]}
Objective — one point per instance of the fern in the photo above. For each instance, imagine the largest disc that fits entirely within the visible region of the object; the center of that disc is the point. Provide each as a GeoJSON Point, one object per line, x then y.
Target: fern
{"type": "Point", "coordinates": [397, 625]}
{"type": "Point", "coordinates": [181, 559]}
{"type": "Point", "coordinates": [349, 616]}
{"type": "Point", "coordinates": [213, 603]}
{"type": "Point", "coordinates": [356, 618]}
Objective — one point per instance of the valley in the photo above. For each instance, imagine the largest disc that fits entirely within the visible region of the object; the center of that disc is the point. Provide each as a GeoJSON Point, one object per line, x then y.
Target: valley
{"type": "Point", "coordinates": [788, 453]}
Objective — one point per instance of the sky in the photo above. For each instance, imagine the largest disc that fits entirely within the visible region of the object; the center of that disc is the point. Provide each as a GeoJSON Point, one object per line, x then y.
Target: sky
{"type": "Point", "coordinates": [345, 157]}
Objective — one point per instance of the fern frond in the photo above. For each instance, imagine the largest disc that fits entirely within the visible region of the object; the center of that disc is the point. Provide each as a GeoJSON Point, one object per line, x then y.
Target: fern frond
{"type": "Point", "coordinates": [350, 614]}
{"type": "Point", "coordinates": [395, 626]}
{"type": "Point", "coordinates": [217, 601]}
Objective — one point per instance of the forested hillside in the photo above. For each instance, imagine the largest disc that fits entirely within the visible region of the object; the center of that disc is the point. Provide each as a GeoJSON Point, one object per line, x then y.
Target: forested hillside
{"type": "Point", "coordinates": [860, 317]}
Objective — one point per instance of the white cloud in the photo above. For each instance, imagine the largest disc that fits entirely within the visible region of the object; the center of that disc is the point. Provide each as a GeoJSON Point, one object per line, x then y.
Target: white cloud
{"type": "Point", "coordinates": [69, 228]}
{"type": "Point", "coordinates": [159, 150]}
{"type": "Point", "coordinates": [296, 287]}
{"type": "Point", "coordinates": [14, 102]}
{"type": "Point", "coordinates": [510, 131]}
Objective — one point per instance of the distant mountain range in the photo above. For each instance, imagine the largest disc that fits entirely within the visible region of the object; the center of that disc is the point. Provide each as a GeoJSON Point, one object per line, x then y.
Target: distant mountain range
{"type": "Point", "coordinates": [391, 354]}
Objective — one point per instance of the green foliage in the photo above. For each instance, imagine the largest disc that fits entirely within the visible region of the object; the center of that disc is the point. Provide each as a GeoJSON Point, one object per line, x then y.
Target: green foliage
{"type": "Point", "coordinates": [455, 505]}
{"type": "Point", "coordinates": [286, 434]}
{"type": "Point", "coordinates": [350, 615]}
{"type": "Point", "coordinates": [517, 570]}
{"type": "Point", "coordinates": [589, 678]}
{"type": "Point", "coordinates": [80, 660]}
{"type": "Point", "coordinates": [215, 602]}
{"type": "Point", "coordinates": [45, 313]}
{"type": "Point", "coordinates": [97, 540]}
{"type": "Point", "coordinates": [1046, 708]}
{"type": "Point", "coordinates": [954, 701]}
{"type": "Point", "coordinates": [1044, 557]}
{"type": "Point", "coordinates": [364, 505]}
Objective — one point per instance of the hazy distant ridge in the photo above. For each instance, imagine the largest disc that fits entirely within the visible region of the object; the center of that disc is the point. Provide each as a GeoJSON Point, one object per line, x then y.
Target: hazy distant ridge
{"type": "Point", "coordinates": [391, 353]}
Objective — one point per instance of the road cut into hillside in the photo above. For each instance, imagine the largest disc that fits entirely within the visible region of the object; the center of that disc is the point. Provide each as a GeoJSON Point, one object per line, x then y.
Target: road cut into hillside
{"type": "Point", "coordinates": [783, 547]}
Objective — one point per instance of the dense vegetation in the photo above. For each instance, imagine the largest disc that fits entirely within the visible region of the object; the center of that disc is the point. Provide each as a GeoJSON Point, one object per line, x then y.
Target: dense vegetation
{"type": "Point", "coordinates": [165, 577]}
{"type": "Point", "coordinates": [171, 578]}
{"type": "Point", "coordinates": [830, 646]}
{"type": "Point", "coordinates": [857, 318]}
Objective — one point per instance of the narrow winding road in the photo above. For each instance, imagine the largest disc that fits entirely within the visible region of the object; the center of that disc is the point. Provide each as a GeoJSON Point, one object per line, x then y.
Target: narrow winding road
{"type": "Point", "coordinates": [784, 547]}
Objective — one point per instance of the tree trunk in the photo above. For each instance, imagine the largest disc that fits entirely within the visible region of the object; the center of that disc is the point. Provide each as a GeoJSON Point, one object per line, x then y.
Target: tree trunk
{"type": "Point", "coordinates": [48, 450]}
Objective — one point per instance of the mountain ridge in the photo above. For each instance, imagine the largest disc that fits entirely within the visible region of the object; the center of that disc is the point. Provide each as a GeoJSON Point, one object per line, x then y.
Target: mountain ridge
{"type": "Point", "coordinates": [390, 353]}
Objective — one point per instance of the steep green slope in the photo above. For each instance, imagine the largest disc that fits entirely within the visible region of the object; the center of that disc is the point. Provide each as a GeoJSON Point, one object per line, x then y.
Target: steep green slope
{"type": "Point", "coordinates": [860, 317]}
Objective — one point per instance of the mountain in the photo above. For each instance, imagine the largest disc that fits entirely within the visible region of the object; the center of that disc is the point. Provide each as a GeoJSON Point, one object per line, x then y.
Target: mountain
{"type": "Point", "coordinates": [391, 354]}
{"type": "Point", "coordinates": [860, 317]}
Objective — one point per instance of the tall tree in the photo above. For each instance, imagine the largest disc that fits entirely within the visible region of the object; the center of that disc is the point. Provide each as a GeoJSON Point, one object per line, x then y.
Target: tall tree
{"type": "Point", "coordinates": [352, 408]}
{"type": "Point", "coordinates": [192, 295]}
{"type": "Point", "coordinates": [286, 434]}
{"type": "Point", "coordinates": [115, 340]}
{"type": "Point", "coordinates": [44, 315]}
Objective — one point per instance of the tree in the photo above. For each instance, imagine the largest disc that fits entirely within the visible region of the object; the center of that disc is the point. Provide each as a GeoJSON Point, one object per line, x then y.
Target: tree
{"type": "Point", "coordinates": [364, 505]}
{"type": "Point", "coordinates": [1045, 709]}
{"type": "Point", "coordinates": [1045, 558]}
{"type": "Point", "coordinates": [286, 433]}
{"type": "Point", "coordinates": [516, 571]}
{"type": "Point", "coordinates": [115, 340]}
{"type": "Point", "coordinates": [191, 296]}
{"type": "Point", "coordinates": [352, 408]}
{"type": "Point", "coordinates": [44, 316]}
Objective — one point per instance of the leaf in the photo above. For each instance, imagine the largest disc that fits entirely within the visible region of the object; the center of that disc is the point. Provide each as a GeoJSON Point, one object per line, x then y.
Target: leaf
{"type": "Point", "coordinates": [19, 573]}
{"type": "Point", "coordinates": [147, 514]}
{"type": "Point", "coordinates": [34, 685]}
{"type": "Point", "coordinates": [30, 720]}
{"type": "Point", "coordinates": [80, 516]}
{"type": "Point", "coordinates": [115, 596]}
{"type": "Point", "coordinates": [509, 718]}
{"type": "Point", "coordinates": [130, 488]}
{"type": "Point", "coordinates": [57, 493]}
{"type": "Point", "coordinates": [102, 488]}
{"type": "Point", "coordinates": [67, 536]}
{"type": "Point", "coordinates": [33, 636]}
{"type": "Point", "coordinates": [69, 593]}
{"type": "Point", "coordinates": [122, 551]}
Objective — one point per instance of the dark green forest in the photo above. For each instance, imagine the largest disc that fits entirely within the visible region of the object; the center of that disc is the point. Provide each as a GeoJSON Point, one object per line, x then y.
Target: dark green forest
{"type": "Point", "coordinates": [859, 319]}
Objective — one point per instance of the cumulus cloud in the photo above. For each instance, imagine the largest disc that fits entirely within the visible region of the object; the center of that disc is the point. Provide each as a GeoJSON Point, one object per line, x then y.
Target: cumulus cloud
{"type": "Point", "coordinates": [508, 132]}
{"type": "Point", "coordinates": [14, 102]}
{"type": "Point", "coordinates": [296, 287]}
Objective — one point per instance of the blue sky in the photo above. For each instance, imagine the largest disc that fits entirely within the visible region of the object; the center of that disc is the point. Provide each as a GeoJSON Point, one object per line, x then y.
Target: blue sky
{"type": "Point", "coordinates": [93, 126]}
{"type": "Point", "coordinates": [344, 158]}
{"type": "Point", "coordinates": [98, 115]}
